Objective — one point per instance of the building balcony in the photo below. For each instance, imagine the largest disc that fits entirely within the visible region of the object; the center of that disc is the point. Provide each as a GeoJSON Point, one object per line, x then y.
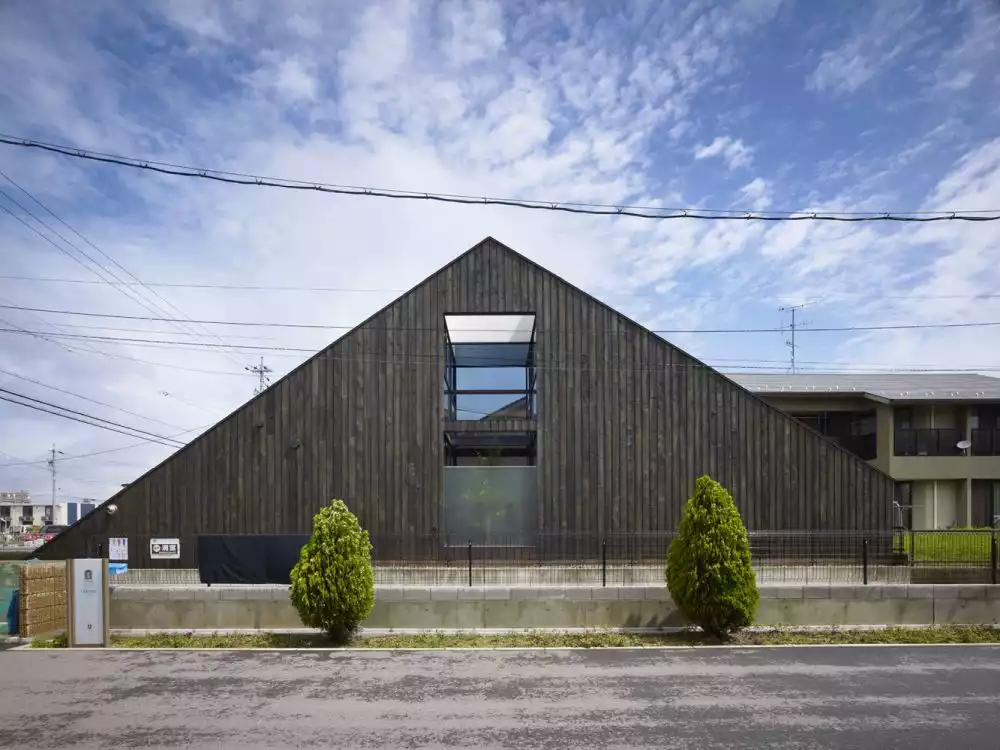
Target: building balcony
{"type": "Point", "coordinates": [986, 442]}
{"type": "Point", "coordinates": [933, 454]}
{"type": "Point", "coordinates": [941, 441]}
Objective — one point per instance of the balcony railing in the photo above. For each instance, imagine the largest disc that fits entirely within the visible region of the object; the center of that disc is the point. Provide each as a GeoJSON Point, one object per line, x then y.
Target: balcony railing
{"type": "Point", "coordinates": [941, 441]}
{"type": "Point", "coordinates": [986, 442]}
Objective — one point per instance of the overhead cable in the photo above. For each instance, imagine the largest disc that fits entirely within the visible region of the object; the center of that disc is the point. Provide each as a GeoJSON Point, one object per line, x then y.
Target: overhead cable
{"type": "Point", "coordinates": [596, 209]}
{"type": "Point", "coordinates": [132, 294]}
{"type": "Point", "coordinates": [319, 326]}
{"type": "Point", "coordinates": [136, 430]}
{"type": "Point", "coordinates": [435, 359]}
{"type": "Point", "coordinates": [155, 439]}
{"type": "Point", "coordinates": [103, 452]}
{"type": "Point", "coordinates": [235, 287]}
{"type": "Point", "coordinates": [88, 398]}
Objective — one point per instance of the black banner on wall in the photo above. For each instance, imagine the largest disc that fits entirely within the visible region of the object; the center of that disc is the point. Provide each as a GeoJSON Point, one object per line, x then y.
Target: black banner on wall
{"type": "Point", "coordinates": [248, 558]}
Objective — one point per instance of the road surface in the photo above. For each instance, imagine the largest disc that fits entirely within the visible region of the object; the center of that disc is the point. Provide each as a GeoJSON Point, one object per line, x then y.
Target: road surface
{"type": "Point", "coordinates": [872, 697]}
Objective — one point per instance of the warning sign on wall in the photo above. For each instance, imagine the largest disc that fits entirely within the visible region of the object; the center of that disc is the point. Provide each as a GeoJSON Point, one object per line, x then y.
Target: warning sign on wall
{"type": "Point", "coordinates": [118, 549]}
{"type": "Point", "coordinates": [165, 549]}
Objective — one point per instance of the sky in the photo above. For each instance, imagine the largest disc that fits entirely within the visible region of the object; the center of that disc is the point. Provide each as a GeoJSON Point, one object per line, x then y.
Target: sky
{"type": "Point", "coordinates": [744, 104]}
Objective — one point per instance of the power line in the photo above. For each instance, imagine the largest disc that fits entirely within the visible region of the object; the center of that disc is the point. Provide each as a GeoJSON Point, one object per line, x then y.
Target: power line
{"type": "Point", "coordinates": [81, 421]}
{"type": "Point", "coordinates": [87, 398]}
{"type": "Point", "coordinates": [139, 433]}
{"type": "Point", "coordinates": [192, 404]}
{"type": "Point", "coordinates": [746, 361]}
{"type": "Point", "coordinates": [135, 296]}
{"type": "Point", "coordinates": [331, 289]}
{"type": "Point", "coordinates": [103, 452]}
{"type": "Point", "coordinates": [40, 336]}
{"type": "Point", "coordinates": [62, 473]}
{"type": "Point", "coordinates": [180, 368]}
{"type": "Point", "coordinates": [433, 359]}
{"type": "Point", "coordinates": [317, 326]}
{"type": "Point", "coordinates": [76, 326]}
{"type": "Point", "coordinates": [236, 287]}
{"type": "Point", "coordinates": [598, 209]}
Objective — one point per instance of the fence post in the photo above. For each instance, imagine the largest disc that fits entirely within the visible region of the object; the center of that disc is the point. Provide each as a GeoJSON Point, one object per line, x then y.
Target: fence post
{"type": "Point", "coordinates": [604, 562]}
{"type": "Point", "coordinates": [993, 557]}
{"type": "Point", "coordinates": [864, 561]}
{"type": "Point", "coordinates": [470, 562]}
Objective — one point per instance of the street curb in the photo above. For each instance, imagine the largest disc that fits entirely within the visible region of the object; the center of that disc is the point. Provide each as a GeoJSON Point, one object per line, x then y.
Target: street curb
{"type": "Point", "coordinates": [384, 649]}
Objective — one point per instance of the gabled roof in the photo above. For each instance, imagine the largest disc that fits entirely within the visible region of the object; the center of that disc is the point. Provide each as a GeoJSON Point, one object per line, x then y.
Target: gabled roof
{"type": "Point", "coordinates": [878, 386]}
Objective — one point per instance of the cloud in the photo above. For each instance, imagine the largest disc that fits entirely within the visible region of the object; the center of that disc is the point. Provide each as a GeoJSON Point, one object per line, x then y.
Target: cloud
{"type": "Point", "coordinates": [420, 97]}
{"type": "Point", "coordinates": [734, 152]}
{"type": "Point", "coordinates": [562, 104]}
{"type": "Point", "coordinates": [756, 193]}
{"type": "Point", "coordinates": [873, 45]}
{"type": "Point", "coordinates": [289, 79]}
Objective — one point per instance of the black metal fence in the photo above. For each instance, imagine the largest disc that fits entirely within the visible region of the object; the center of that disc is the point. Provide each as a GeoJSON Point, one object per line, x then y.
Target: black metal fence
{"type": "Point", "coordinates": [799, 557]}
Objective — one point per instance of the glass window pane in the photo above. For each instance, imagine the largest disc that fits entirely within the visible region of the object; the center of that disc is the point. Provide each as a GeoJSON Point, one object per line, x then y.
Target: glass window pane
{"type": "Point", "coordinates": [490, 406]}
{"type": "Point", "coordinates": [491, 379]}
{"type": "Point", "coordinates": [483, 502]}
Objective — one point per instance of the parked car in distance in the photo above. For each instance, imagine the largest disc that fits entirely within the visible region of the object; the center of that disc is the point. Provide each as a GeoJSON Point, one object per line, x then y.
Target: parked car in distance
{"type": "Point", "coordinates": [53, 530]}
{"type": "Point", "coordinates": [45, 534]}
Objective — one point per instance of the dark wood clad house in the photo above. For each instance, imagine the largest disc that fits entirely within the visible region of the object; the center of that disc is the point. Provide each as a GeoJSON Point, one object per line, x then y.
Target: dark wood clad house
{"type": "Point", "coordinates": [492, 398]}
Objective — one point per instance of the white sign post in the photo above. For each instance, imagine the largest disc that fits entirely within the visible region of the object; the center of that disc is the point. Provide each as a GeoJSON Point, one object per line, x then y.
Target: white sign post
{"type": "Point", "coordinates": [88, 603]}
{"type": "Point", "coordinates": [118, 549]}
{"type": "Point", "coordinates": [164, 549]}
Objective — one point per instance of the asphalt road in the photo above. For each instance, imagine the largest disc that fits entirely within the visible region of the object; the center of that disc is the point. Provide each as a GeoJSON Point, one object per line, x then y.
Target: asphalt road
{"type": "Point", "coordinates": [873, 697]}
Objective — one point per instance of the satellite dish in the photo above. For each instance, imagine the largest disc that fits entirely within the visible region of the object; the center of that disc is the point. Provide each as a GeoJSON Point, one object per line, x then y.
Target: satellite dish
{"type": "Point", "coordinates": [963, 445]}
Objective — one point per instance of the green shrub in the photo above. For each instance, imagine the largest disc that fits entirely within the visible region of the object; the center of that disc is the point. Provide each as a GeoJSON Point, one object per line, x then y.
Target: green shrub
{"type": "Point", "coordinates": [332, 584]}
{"type": "Point", "coordinates": [708, 564]}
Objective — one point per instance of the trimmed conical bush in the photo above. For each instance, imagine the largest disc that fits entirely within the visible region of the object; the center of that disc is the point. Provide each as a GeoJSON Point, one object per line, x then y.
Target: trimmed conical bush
{"type": "Point", "coordinates": [333, 584]}
{"type": "Point", "coordinates": [708, 564]}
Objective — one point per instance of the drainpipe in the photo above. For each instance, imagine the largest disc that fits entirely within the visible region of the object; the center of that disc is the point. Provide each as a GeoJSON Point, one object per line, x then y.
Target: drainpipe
{"type": "Point", "coordinates": [934, 520]}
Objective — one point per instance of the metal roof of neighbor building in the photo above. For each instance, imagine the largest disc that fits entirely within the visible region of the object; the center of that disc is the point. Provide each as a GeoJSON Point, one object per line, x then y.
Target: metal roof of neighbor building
{"type": "Point", "coordinates": [884, 386]}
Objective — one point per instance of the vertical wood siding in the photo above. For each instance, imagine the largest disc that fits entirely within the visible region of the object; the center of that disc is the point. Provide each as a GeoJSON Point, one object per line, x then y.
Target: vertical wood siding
{"type": "Point", "coordinates": [626, 423]}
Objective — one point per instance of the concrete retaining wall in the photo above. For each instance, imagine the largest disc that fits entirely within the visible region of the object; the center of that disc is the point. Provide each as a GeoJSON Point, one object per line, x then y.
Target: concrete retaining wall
{"type": "Point", "coordinates": [433, 607]}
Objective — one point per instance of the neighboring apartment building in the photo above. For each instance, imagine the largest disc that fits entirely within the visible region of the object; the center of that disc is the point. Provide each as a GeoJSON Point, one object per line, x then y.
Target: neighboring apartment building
{"type": "Point", "coordinates": [18, 511]}
{"type": "Point", "coordinates": [937, 435]}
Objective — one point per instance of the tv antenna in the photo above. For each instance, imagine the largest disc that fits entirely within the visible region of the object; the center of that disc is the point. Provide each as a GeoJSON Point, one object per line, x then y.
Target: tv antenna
{"type": "Point", "coordinates": [261, 371]}
{"type": "Point", "coordinates": [793, 326]}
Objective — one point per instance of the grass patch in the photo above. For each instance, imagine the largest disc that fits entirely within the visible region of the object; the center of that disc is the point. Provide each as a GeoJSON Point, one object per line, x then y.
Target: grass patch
{"type": "Point", "coordinates": [60, 641]}
{"type": "Point", "coordinates": [937, 634]}
{"type": "Point", "coordinates": [544, 639]}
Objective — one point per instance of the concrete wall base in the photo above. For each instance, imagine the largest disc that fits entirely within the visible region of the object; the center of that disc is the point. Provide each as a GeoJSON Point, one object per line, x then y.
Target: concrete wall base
{"type": "Point", "coordinates": [429, 607]}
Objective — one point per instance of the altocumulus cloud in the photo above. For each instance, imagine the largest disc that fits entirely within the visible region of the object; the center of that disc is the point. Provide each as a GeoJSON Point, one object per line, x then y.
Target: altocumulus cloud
{"type": "Point", "coordinates": [740, 104]}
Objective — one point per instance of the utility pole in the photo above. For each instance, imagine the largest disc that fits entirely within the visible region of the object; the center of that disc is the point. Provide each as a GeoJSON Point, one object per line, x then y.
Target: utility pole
{"type": "Point", "coordinates": [52, 468]}
{"type": "Point", "coordinates": [790, 343]}
{"type": "Point", "coordinates": [261, 371]}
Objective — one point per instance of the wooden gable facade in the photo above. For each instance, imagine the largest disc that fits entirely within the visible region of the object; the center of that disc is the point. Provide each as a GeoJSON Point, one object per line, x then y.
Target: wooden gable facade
{"type": "Point", "coordinates": [625, 424]}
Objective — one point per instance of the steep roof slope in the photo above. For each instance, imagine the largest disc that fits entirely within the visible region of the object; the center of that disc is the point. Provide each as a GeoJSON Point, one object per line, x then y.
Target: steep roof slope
{"type": "Point", "coordinates": [626, 423]}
